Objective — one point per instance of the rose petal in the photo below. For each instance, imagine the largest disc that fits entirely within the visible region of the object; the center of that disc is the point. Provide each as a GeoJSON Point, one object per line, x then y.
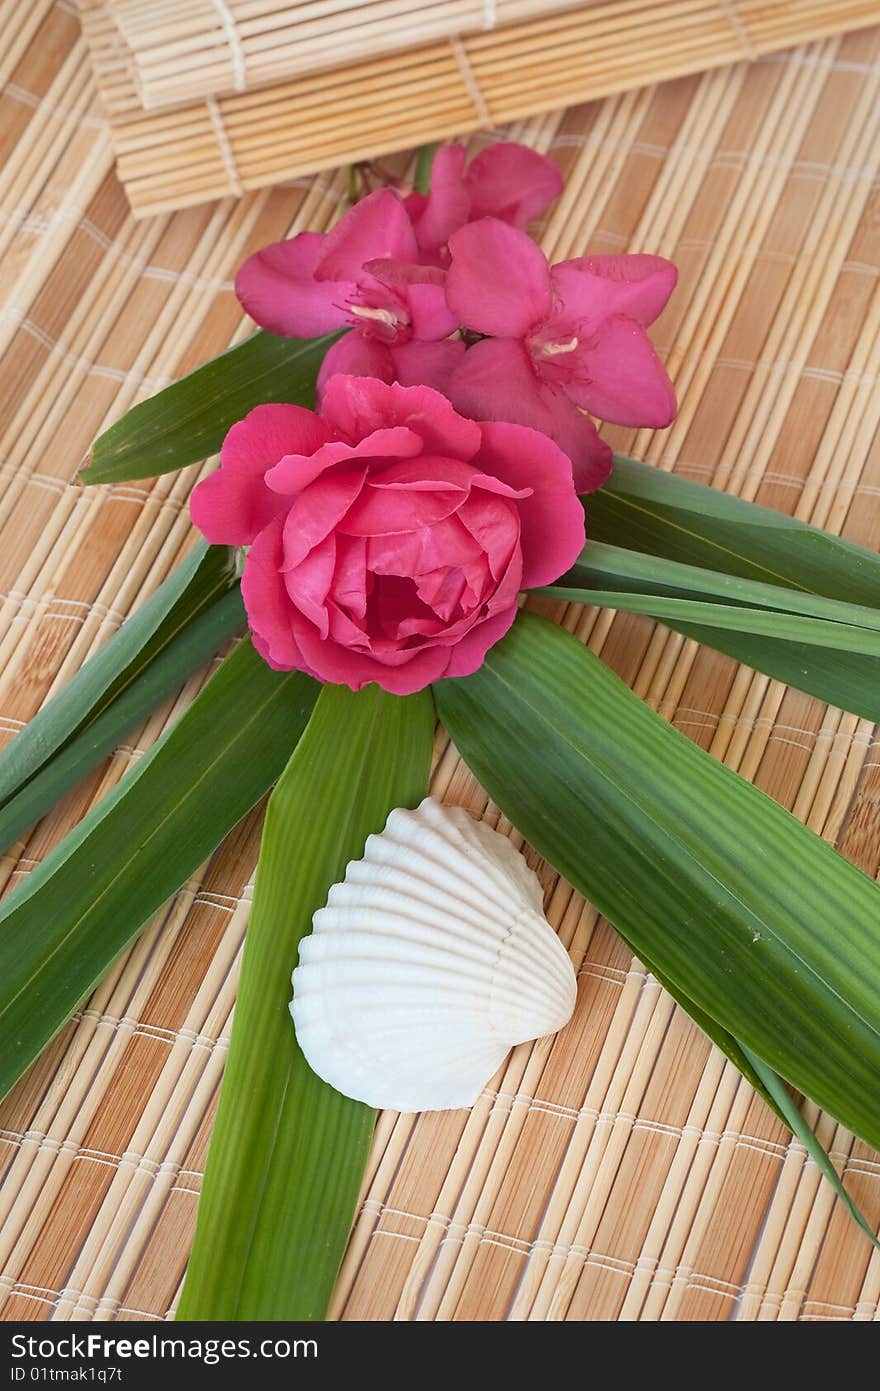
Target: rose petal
{"type": "Point", "coordinates": [592, 288]}
{"type": "Point", "coordinates": [429, 472]}
{"type": "Point", "coordinates": [269, 611]}
{"type": "Point", "coordinates": [308, 583]}
{"type": "Point", "coordinates": [356, 406]}
{"type": "Point", "coordinates": [442, 590]}
{"type": "Point", "coordinates": [552, 516]}
{"type": "Point", "coordinates": [345, 630]}
{"type": "Point", "coordinates": [625, 381]}
{"type": "Point", "coordinates": [397, 612]}
{"type": "Point", "coordinates": [498, 280]}
{"type": "Point", "coordinates": [233, 504]}
{"type": "Point", "coordinates": [469, 654]}
{"type": "Point", "coordinates": [377, 226]}
{"type": "Point", "coordinates": [269, 432]}
{"type": "Point", "coordinates": [295, 472]}
{"type": "Point", "coordinates": [332, 662]}
{"type": "Point", "coordinates": [317, 510]}
{"type": "Point", "coordinates": [384, 512]}
{"type": "Point", "coordinates": [278, 289]}
{"type": "Point", "coordinates": [230, 509]}
{"type": "Point", "coordinates": [494, 523]}
{"type": "Point", "coordinates": [349, 587]}
{"type": "Point", "coordinates": [511, 182]}
{"type": "Point", "coordinates": [447, 544]}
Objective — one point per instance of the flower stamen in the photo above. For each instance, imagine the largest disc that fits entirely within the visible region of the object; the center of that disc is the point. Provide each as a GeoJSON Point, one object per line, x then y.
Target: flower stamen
{"type": "Point", "coordinates": [555, 349]}
{"type": "Point", "coordinates": [382, 316]}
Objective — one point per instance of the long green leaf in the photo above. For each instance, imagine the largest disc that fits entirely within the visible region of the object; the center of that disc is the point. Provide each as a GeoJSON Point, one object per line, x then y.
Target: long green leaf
{"type": "Point", "coordinates": [187, 421]}
{"type": "Point", "coordinates": [738, 618]}
{"type": "Point", "coordinates": [206, 575]}
{"type": "Point", "coordinates": [165, 674]}
{"type": "Point", "coordinates": [604, 567]}
{"type": "Point", "coordinates": [745, 912]}
{"type": "Point", "coordinates": [91, 895]}
{"type": "Point", "coordinates": [849, 680]}
{"type": "Point", "coordinates": [786, 1107]}
{"type": "Point", "coordinates": [662, 514]}
{"type": "Point", "coordinates": [288, 1152]}
{"type": "Point", "coordinates": [824, 646]}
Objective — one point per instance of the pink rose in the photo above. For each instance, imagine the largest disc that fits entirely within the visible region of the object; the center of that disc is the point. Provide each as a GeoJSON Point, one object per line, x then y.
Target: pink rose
{"type": "Point", "coordinates": [389, 537]}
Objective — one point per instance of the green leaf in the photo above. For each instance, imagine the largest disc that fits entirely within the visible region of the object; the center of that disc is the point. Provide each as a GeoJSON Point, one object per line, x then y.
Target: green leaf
{"type": "Point", "coordinates": [92, 894]}
{"type": "Point", "coordinates": [851, 680]}
{"type": "Point", "coordinates": [204, 577]}
{"type": "Point", "coordinates": [288, 1152]}
{"type": "Point", "coordinates": [187, 421]}
{"type": "Point", "coordinates": [733, 902]}
{"type": "Point", "coordinates": [181, 626]}
{"type": "Point", "coordinates": [824, 646]}
{"type": "Point", "coordinates": [783, 627]}
{"type": "Point", "coordinates": [786, 1107]}
{"type": "Point", "coordinates": [662, 514]}
{"type": "Point", "coordinates": [604, 567]}
{"type": "Point", "coordinates": [165, 674]}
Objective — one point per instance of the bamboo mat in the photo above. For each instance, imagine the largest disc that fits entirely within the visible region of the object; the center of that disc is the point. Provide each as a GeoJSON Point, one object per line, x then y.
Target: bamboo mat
{"type": "Point", "coordinates": [174, 50]}
{"type": "Point", "coordinates": [215, 146]}
{"type": "Point", "coordinates": [622, 1170]}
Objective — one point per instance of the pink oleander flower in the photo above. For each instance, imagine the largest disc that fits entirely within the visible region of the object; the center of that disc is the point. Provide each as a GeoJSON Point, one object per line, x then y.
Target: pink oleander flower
{"type": "Point", "coordinates": [379, 272]}
{"type": "Point", "coordinates": [363, 275]}
{"type": "Point", "coordinates": [560, 341]}
{"type": "Point", "coordinates": [389, 537]}
{"type": "Point", "coordinates": [508, 181]}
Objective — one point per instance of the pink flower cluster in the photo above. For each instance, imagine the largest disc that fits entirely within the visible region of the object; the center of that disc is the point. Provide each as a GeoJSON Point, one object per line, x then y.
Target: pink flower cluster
{"type": "Point", "coordinates": [391, 533]}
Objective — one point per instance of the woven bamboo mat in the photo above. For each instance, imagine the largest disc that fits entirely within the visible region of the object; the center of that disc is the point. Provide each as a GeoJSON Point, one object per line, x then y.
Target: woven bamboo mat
{"type": "Point", "coordinates": [175, 50]}
{"type": "Point", "coordinates": [621, 1170]}
{"type": "Point", "coordinates": [211, 147]}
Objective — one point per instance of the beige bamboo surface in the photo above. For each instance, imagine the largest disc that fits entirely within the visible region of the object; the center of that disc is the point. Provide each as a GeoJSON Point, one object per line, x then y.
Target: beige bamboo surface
{"type": "Point", "coordinates": [622, 1170]}
{"type": "Point", "coordinates": [216, 146]}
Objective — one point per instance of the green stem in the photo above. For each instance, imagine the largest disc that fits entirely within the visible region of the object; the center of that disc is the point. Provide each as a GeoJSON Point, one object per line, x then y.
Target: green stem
{"type": "Point", "coordinates": [424, 163]}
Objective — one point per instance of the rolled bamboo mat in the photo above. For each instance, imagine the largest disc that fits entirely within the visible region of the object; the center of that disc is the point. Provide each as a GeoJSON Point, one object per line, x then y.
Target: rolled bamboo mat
{"type": "Point", "coordinates": [176, 50]}
{"type": "Point", "coordinates": [622, 1170]}
{"type": "Point", "coordinates": [218, 145]}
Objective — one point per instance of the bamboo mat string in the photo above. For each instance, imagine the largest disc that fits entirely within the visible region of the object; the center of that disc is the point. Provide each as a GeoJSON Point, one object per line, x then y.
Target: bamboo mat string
{"type": "Point", "coordinates": [731, 9]}
{"type": "Point", "coordinates": [471, 84]}
{"type": "Point", "coordinates": [225, 148]}
{"type": "Point", "coordinates": [236, 49]}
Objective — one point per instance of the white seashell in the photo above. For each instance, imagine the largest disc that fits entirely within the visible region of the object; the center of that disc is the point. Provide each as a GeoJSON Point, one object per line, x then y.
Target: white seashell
{"type": "Point", "coordinates": [429, 962]}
